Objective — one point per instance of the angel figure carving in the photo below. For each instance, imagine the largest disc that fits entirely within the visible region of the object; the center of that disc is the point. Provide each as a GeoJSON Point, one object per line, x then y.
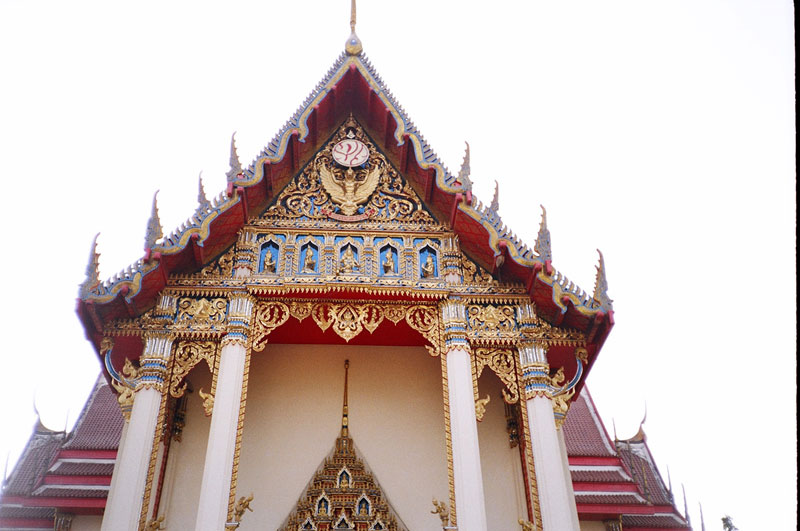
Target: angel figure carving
{"type": "Point", "coordinates": [347, 191]}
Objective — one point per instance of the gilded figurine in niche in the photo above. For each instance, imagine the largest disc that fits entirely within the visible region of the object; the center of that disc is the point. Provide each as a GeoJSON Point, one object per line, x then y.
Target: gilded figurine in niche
{"type": "Point", "coordinates": [309, 264]}
{"type": "Point", "coordinates": [348, 263]}
{"type": "Point", "coordinates": [269, 262]}
{"type": "Point", "coordinates": [428, 268]}
{"type": "Point", "coordinates": [388, 264]}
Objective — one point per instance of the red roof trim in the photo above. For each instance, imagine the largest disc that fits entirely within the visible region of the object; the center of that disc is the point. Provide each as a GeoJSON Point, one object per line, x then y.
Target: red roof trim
{"type": "Point", "coordinates": [601, 508]}
{"type": "Point", "coordinates": [585, 486]}
{"type": "Point", "coordinates": [17, 523]}
{"type": "Point", "coordinates": [87, 454]}
{"type": "Point", "coordinates": [52, 501]}
{"type": "Point", "coordinates": [58, 479]}
{"type": "Point", "coordinates": [595, 461]}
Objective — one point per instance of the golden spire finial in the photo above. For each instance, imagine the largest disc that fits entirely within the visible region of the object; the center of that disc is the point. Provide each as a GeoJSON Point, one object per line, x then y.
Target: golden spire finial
{"type": "Point", "coordinates": [353, 44]}
{"type": "Point", "coordinates": [344, 404]}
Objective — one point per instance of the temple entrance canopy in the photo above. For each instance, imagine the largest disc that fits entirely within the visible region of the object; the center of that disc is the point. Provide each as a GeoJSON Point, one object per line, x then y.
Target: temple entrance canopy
{"type": "Point", "coordinates": [346, 238]}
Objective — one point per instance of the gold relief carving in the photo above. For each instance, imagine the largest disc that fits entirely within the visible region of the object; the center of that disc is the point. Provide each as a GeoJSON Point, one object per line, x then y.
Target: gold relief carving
{"type": "Point", "coordinates": [502, 363]}
{"type": "Point", "coordinates": [480, 407]}
{"type": "Point", "coordinates": [241, 506]}
{"type": "Point", "coordinates": [394, 313]}
{"type": "Point", "coordinates": [208, 401]}
{"type": "Point", "coordinates": [526, 525]}
{"type": "Point", "coordinates": [345, 188]}
{"type": "Point", "coordinates": [125, 391]}
{"type": "Point", "coordinates": [200, 314]}
{"type": "Point", "coordinates": [544, 333]}
{"type": "Point", "coordinates": [187, 355]}
{"type": "Point", "coordinates": [561, 405]}
{"type": "Point", "coordinates": [154, 524]}
{"type": "Point", "coordinates": [268, 316]}
{"type": "Point", "coordinates": [582, 354]}
{"type": "Point", "coordinates": [440, 510]}
{"type": "Point", "coordinates": [425, 320]}
{"type": "Point", "coordinates": [491, 322]}
{"type": "Point", "coordinates": [151, 467]}
{"type": "Point", "coordinates": [300, 310]}
{"type": "Point", "coordinates": [474, 274]}
{"type": "Point", "coordinates": [347, 320]}
{"type": "Point", "coordinates": [221, 267]}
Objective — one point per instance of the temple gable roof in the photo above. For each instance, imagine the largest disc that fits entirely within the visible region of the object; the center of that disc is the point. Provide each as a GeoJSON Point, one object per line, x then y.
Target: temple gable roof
{"type": "Point", "coordinates": [351, 86]}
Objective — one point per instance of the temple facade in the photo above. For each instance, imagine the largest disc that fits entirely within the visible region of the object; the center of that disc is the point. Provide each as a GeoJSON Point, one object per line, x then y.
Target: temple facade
{"type": "Point", "coordinates": [344, 338]}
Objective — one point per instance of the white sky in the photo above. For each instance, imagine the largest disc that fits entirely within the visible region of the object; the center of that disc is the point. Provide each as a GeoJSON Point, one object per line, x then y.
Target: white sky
{"type": "Point", "coordinates": [660, 132]}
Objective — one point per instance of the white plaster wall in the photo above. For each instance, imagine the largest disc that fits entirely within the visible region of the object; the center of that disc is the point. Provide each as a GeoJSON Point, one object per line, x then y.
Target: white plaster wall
{"type": "Point", "coordinates": [189, 456]}
{"type": "Point", "coordinates": [86, 523]}
{"type": "Point", "coordinates": [588, 525]}
{"type": "Point", "coordinates": [293, 417]}
{"type": "Point", "coordinates": [500, 465]}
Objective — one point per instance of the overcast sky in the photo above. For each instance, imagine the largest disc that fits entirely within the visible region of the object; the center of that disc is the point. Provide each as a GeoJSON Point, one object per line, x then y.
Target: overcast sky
{"type": "Point", "coordinates": [661, 133]}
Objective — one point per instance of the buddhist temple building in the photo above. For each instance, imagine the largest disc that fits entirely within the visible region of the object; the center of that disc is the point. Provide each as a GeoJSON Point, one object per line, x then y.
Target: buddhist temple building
{"type": "Point", "coordinates": [343, 338]}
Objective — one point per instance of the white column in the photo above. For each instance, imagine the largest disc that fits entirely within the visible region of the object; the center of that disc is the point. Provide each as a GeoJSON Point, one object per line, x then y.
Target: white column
{"type": "Point", "coordinates": [470, 504]}
{"type": "Point", "coordinates": [562, 446]}
{"type": "Point", "coordinates": [558, 510]}
{"type": "Point", "coordinates": [124, 504]}
{"type": "Point", "coordinates": [212, 510]}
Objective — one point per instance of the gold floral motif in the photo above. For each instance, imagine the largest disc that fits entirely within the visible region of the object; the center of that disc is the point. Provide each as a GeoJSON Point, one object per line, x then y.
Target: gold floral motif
{"type": "Point", "coordinates": [448, 437]}
{"type": "Point", "coordinates": [126, 392]}
{"type": "Point", "coordinates": [300, 310]}
{"type": "Point", "coordinates": [241, 506]}
{"type": "Point", "coordinates": [561, 406]}
{"type": "Point", "coordinates": [347, 320]}
{"type": "Point", "coordinates": [269, 315]}
{"type": "Point", "coordinates": [550, 335]}
{"type": "Point", "coordinates": [440, 510]}
{"type": "Point", "coordinates": [425, 320]}
{"type": "Point", "coordinates": [154, 524]}
{"type": "Point", "coordinates": [187, 355]}
{"type": "Point", "coordinates": [502, 363]}
{"type": "Point", "coordinates": [200, 314]}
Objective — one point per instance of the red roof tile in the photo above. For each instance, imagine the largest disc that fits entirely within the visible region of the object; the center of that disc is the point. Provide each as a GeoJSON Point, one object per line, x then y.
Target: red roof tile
{"type": "Point", "coordinates": [100, 423]}
{"type": "Point", "coordinates": [584, 433]}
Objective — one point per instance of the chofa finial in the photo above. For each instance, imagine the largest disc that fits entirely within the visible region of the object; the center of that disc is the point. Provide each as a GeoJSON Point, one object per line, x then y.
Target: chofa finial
{"type": "Point", "coordinates": [154, 232]}
{"type": "Point", "coordinates": [92, 270]}
{"type": "Point", "coordinates": [601, 286]}
{"type": "Point", "coordinates": [542, 245]}
{"type": "Point", "coordinates": [202, 200]}
{"type": "Point", "coordinates": [353, 44]}
{"type": "Point", "coordinates": [463, 174]}
{"type": "Point", "coordinates": [236, 166]}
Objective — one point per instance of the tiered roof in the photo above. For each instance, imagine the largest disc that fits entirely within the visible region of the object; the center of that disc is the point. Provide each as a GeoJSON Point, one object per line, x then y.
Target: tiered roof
{"type": "Point", "coordinates": [615, 479]}
{"type": "Point", "coordinates": [64, 472]}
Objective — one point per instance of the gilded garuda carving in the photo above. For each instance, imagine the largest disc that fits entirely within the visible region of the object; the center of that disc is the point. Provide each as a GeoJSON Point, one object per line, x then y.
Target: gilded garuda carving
{"type": "Point", "coordinates": [358, 188]}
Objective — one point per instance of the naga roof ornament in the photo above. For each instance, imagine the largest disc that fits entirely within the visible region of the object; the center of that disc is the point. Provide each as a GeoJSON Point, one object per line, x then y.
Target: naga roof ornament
{"type": "Point", "coordinates": [154, 231]}
{"type": "Point", "coordinates": [463, 174]}
{"type": "Point", "coordinates": [236, 166]}
{"type": "Point", "coordinates": [353, 44]}
{"type": "Point", "coordinates": [202, 201]}
{"type": "Point", "coordinates": [495, 206]}
{"type": "Point", "coordinates": [92, 270]}
{"type": "Point", "coordinates": [601, 286]}
{"type": "Point", "coordinates": [542, 245]}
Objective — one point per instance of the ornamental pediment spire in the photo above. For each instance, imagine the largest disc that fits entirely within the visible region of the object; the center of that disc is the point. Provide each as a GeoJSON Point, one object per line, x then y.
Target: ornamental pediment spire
{"type": "Point", "coordinates": [92, 270]}
{"type": "Point", "coordinates": [542, 246]}
{"type": "Point", "coordinates": [601, 286]}
{"type": "Point", "coordinates": [154, 231]}
{"type": "Point", "coordinates": [202, 200]}
{"type": "Point", "coordinates": [236, 166]}
{"type": "Point", "coordinates": [495, 205]}
{"type": "Point", "coordinates": [464, 172]}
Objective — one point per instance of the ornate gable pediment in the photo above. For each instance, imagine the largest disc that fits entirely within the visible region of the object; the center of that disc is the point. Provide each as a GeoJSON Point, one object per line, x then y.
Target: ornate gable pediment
{"type": "Point", "coordinates": [349, 184]}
